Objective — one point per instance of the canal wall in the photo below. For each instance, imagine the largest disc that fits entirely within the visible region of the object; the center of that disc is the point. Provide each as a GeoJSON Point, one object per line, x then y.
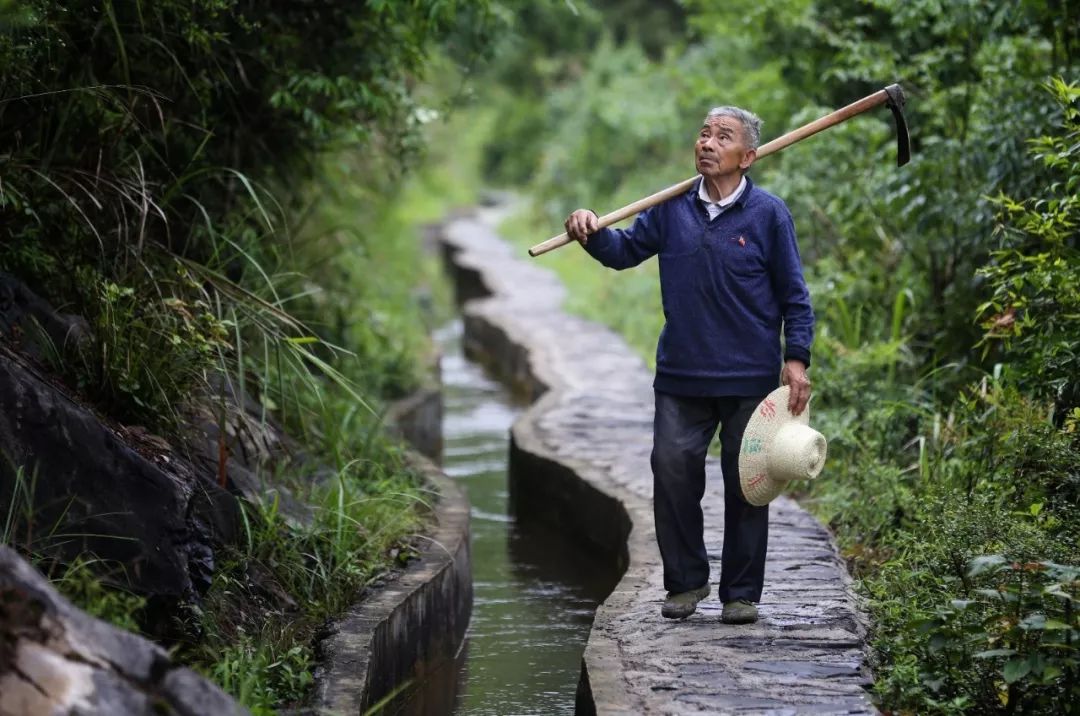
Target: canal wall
{"type": "Point", "coordinates": [411, 628]}
{"type": "Point", "coordinates": [580, 460]}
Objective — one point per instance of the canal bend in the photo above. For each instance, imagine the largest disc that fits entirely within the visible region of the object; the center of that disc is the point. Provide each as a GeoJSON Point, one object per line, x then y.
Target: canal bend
{"type": "Point", "coordinates": [535, 592]}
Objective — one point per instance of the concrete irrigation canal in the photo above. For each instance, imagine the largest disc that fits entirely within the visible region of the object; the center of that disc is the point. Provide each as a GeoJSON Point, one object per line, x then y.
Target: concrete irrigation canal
{"type": "Point", "coordinates": [563, 611]}
{"type": "Point", "coordinates": [535, 592]}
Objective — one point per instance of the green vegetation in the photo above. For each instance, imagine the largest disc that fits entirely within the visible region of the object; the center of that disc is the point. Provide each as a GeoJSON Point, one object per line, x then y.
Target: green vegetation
{"type": "Point", "coordinates": [228, 192]}
{"type": "Point", "coordinates": [194, 190]}
{"type": "Point", "coordinates": [946, 358]}
{"type": "Point", "coordinates": [254, 629]}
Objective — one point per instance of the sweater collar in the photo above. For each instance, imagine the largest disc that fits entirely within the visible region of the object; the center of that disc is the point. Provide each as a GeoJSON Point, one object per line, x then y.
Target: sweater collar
{"type": "Point", "coordinates": [728, 200]}
{"type": "Point", "coordinates": [696, 190]}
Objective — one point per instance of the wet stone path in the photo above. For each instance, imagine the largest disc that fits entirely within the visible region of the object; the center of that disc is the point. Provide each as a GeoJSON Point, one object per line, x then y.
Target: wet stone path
{"type": "Point", "coordinates": [592, 420]}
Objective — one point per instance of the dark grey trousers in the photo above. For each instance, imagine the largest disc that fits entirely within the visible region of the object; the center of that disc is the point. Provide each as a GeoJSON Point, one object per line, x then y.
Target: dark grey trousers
{"type": "Point", "coordinates": [683, 427]}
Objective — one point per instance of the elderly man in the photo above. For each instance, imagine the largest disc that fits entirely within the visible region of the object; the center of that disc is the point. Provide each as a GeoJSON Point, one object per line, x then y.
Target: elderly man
{"type": "Point", "coordinates": [731, 278]}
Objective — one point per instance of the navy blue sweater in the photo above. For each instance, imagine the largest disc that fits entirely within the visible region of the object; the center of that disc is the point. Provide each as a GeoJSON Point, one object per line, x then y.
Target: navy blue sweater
{"type": "Point", "coordinates": [728, 284]}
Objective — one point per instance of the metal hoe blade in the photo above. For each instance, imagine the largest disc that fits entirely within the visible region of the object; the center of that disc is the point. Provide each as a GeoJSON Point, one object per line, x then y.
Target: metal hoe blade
{"type": "Point", "coordinates": [903, 141]}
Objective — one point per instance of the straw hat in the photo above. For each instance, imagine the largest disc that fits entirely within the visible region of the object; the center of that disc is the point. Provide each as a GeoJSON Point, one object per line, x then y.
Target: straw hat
{"type": "Point", "coordinates": [778, 447]}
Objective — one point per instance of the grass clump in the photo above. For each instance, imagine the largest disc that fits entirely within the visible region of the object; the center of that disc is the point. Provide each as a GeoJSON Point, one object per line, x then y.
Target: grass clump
{"type": "Point", "coordinates": [80, 581]}
{"type": "Point", "coordinates": [255, 630]}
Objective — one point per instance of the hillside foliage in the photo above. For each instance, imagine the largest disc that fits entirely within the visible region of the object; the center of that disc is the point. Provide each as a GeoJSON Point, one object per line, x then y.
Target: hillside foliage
{"type": "Point", "coordinates": [216, 187]}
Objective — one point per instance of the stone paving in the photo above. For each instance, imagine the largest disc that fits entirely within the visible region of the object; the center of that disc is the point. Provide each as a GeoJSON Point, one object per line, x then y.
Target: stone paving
{"type": "Point", "coordinates": [593, 415]}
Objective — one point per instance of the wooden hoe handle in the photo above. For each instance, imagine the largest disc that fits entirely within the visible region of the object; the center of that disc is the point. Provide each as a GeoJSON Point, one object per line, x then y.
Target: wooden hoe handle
{"type": "Point", "coordinates": [844, 113]}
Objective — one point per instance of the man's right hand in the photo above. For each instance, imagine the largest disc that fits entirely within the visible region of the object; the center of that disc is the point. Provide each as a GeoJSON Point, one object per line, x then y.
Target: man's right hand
{"type": "Point", "coordinates": [580, 224]}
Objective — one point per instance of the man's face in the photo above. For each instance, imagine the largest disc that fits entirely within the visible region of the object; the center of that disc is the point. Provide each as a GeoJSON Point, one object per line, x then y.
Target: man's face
{"type": "Point", "coordinates": [721, 148]}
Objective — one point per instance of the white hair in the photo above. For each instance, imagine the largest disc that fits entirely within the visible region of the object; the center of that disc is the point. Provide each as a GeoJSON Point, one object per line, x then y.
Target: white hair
{"type": "Point", "coordinates": [751, 123]}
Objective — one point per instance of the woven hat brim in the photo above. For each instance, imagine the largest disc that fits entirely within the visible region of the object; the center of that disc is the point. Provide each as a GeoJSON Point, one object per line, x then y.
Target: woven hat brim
{"type": "Point", "coordinates": [769, 416]}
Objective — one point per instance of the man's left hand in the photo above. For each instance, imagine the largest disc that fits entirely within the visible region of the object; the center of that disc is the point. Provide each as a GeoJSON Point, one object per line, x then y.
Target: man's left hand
{"type": "Point", "coordinates": [794, 375]}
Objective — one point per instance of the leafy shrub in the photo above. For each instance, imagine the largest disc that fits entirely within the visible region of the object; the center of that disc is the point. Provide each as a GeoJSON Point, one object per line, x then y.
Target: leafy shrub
{"type": "Point", "coordinates": [1015, 643]}
{"type": "Point", "coordinates": [148, 355]}
{"type": "Point", "coordinates": [929, 566]}
{"type": "Point", "coordinates": [1034, 310]}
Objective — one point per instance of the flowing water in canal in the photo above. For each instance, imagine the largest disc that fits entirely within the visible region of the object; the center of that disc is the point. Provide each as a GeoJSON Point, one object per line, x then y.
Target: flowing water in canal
{"type": "Point", "coordinates": [535, 593]}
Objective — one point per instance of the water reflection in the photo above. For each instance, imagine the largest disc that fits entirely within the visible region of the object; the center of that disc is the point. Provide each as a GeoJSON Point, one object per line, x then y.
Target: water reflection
{"type": "Point", "coordinates": [535, 593]}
